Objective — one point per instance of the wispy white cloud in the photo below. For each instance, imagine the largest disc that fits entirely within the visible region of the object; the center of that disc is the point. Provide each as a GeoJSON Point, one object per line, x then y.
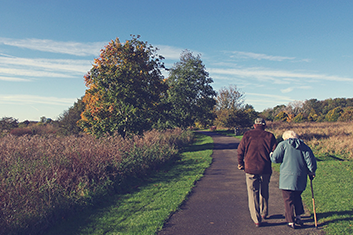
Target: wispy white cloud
{"type": "Point", "coordinates": [32, 73]}
{"type": "Point", "coordinates": [77, 66]}
{"type": "Point", "coordinates": [275, 75]}
{"type": "Point", "coordinates": [287, 90]}
{"type": "Point", "coordinates": [25, 69]}
{"type": "Point", "coordinates": [13, 79]}
{"type": "Point", "coordinates": [33, 99]}
{"type": "Point", "coordinates": [257, 56]}
{"type": "Point", "coordinates": [169, 52]}
{"type": "Point", "coordinates": [173, 53]}
{"type": "Point", "coordinates": [271, 96]}
{"type": "Point", "coordinates": [290, 89]}
{"type": "Point", "coordinates": [46, 45]}
{"type": "Point", "coordinates": [266, 100]}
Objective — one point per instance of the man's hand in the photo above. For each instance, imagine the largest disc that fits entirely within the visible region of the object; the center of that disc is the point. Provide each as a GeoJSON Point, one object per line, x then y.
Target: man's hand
{"type": "Point", "coordinates": [240, 167]}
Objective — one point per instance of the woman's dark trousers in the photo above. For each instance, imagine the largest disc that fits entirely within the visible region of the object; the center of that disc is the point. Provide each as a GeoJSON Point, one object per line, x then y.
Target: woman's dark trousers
{"type": "Point", "coordinates": [292, 203]}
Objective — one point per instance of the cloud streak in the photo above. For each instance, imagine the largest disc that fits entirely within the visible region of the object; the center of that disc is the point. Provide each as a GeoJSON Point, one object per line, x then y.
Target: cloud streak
{"type": "Point", "coordinates": [275, 75]}
{"type": "Point", "coordinates": [46, 45]}
{"type": "Point", "coordinates": [281, 97]}
{"type": "Point", "coordinates": [169, 52]}
{"type": "Point", "coordinates": [256, 56]}
{"type": "Point", "coordinates": [266, 99]}
{"type": "Point", "coordinates": [32, 73]}
{"type": "Point", "coordinates": [24, 69]}
{"type": "Point", "coordinates": [13, 79]}
{"type": "Point", "coordinates": [33, 99]}
{"type": "Point", "coordinates": [290, 89]}
{"type": "Point", "coordinates": [77, 66]}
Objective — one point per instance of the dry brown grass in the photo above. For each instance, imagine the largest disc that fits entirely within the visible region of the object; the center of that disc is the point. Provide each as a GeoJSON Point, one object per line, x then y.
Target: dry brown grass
{"type": "Point", "coordinates": [41, 176]}
{"type": "Point", "coordinates": [325, 138]}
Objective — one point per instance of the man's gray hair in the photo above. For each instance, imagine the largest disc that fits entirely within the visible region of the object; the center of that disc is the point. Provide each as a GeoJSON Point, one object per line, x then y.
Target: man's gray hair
{"type": "Point", "coordinates": [289, 135]}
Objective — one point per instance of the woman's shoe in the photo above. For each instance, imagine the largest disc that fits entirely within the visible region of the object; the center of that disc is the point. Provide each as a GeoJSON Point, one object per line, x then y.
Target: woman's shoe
{"type": "Point", "coordinates": [299, 222]}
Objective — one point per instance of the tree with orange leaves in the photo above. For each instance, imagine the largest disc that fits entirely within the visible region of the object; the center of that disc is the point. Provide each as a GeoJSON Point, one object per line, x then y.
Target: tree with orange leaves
{"type": "Point", "coordinates": [125, 86]}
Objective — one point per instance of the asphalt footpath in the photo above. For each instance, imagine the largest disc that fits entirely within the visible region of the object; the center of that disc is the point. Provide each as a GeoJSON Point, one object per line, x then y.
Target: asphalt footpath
{"type": "Point", "coordinates": [218, 203]}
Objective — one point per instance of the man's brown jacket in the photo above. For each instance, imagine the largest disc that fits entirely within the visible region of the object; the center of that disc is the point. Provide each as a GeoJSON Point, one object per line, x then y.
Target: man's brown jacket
{"type": "Point", "coordinates": [254, 151]}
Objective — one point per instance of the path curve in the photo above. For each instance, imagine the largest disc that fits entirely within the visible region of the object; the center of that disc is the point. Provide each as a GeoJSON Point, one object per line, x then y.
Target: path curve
{"type": "Point", "coordinates": [218, 203]}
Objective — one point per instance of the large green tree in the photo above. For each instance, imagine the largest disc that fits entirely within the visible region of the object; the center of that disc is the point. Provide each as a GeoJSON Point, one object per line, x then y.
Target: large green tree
{"type": "Point", "coordinates": [190, 94]}
{"type": "Point", "coordinates": [125, 86]}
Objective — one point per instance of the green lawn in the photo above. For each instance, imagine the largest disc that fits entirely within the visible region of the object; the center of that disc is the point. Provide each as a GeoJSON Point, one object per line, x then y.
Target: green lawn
{"type": "Point", "coordinates": [333, 188]}
{"type": "Point", "coordinates": [145, 208]}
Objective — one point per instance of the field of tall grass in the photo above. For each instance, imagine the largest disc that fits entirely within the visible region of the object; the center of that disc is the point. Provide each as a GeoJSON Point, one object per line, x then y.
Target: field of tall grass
{"type": "Point", "coordinates": [45, 178]}
{"type": "Point", "coordinates": [327, 139]}
{"type": "Point", "coordinates": [144, 208]}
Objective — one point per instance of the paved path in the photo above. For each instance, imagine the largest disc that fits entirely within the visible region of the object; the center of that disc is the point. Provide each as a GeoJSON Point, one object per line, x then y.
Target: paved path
{"type": "Point", "coordinates": [218, 204]}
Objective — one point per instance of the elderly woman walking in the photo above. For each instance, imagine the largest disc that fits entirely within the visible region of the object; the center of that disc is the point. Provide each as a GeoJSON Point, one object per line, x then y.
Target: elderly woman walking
{"type": "Point", "coordinates": [297, 161]}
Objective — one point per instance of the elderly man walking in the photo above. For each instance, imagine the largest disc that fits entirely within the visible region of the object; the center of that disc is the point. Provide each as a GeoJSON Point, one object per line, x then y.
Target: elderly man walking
{"type": "Point", "coordinates": [254, 158]}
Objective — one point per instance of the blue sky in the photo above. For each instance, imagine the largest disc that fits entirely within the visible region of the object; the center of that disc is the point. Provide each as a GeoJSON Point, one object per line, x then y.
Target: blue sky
{"type": "Point", "coordinates": [275, 52]}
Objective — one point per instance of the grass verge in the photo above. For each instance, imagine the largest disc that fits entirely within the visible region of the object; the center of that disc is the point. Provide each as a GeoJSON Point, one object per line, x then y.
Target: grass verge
{"type": "Point", "coordinates": [333, 196]}
{"type": "Point", "coordinates": [147, 203]}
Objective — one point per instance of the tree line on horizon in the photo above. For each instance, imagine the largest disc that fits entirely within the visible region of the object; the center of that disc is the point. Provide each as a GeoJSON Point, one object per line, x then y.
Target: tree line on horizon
{"type": "Point", "coordinates": [127, 93]}
{"type": "Point", "coordinates": [229, 112]}
{"type": "Point", "coordinates": [312, 110]}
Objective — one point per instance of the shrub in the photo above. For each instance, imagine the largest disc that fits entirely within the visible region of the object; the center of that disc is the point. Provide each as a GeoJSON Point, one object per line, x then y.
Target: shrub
{"type": "Point", "coordinates": [347, 115]}
{"type": "Point", "coordinates": [21, 131]}
{"type": "Point", "coordinates": [299, 118]}
{"type": "Point", "coordinates": [281, 116]}
{"type": "Point", "coordinates": [334, 114]}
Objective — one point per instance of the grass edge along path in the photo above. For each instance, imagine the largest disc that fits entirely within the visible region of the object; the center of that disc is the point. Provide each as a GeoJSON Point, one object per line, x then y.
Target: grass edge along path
{"type": "Point", "coordinates": [333, 187]}
{"type": "Point", "coordinates": [147, 206]}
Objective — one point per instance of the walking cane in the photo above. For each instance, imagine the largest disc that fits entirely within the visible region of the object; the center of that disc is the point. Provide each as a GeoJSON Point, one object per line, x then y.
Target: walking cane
{"type": "Point", "coordinates": [312, 196]}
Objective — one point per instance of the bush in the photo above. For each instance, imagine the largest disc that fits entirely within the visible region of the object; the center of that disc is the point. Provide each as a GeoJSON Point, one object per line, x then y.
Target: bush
{"type": "Point", "coordinates": [35, 129]}
{"type": "Point", "coordinates": [21, 131]}
{"type": "Point", "coordinates": [299, 118]}
{"type": "Point", "coordinates": [334, 114]}
{"type": "Point", "coordinates": [281, 116]}
{"type": "Point", "coordinates": [347, 115]}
